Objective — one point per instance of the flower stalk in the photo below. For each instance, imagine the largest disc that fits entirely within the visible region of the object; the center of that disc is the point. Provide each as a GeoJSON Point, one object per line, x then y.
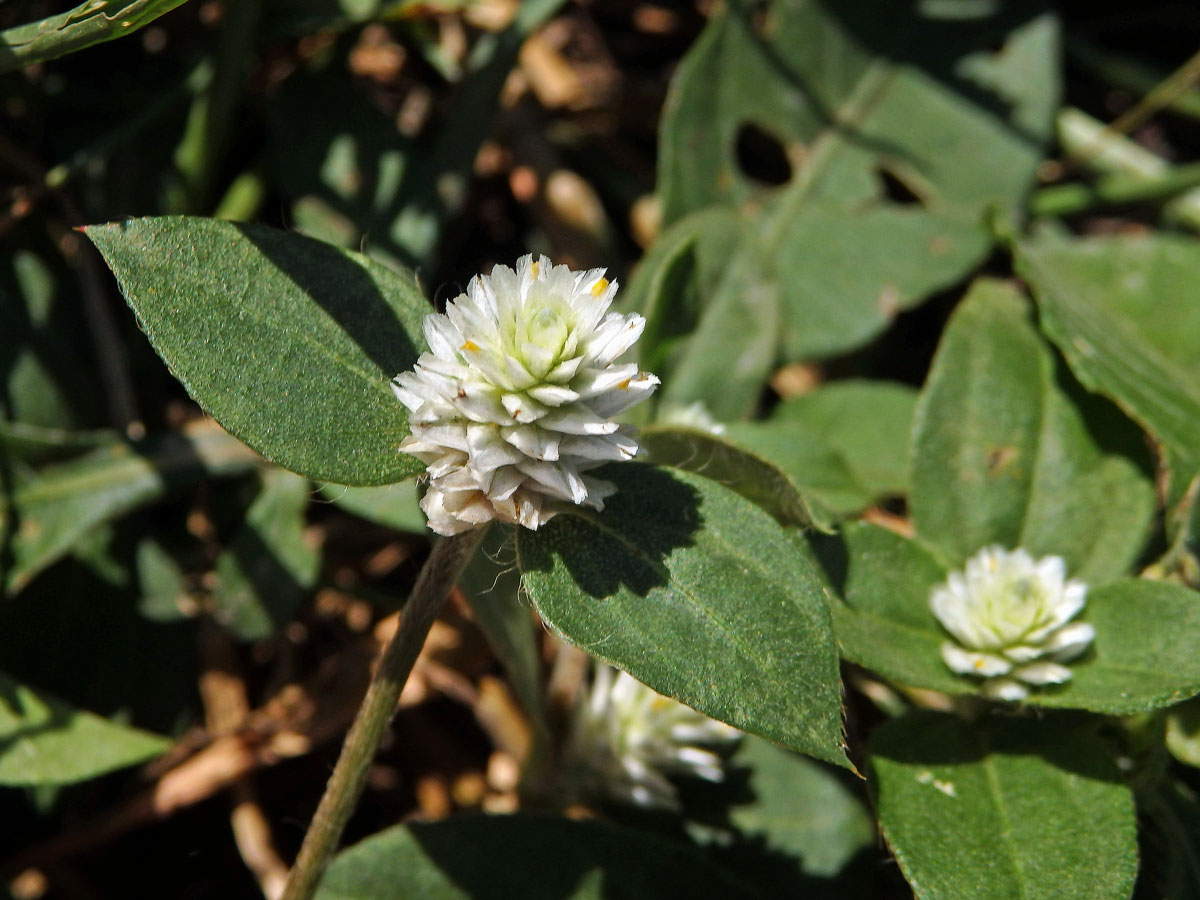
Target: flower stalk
{"type": "Point", "coordinates": [439, 574]}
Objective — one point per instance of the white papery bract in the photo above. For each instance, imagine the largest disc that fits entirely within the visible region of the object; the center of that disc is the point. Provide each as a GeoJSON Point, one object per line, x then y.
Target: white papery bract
{"type": "Point", "coordinates": [1011, 616]}
{"type": "Point", "coordinates": [514, 401]}
{"type": "Point", "coordinates": [626, 739]}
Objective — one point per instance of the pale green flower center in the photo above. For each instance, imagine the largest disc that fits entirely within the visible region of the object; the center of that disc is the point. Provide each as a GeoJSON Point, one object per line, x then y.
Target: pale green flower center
{"type": "Point", "coordinates": [542, 336]}
{"type": "Point", "coordinates": [1013, 608]}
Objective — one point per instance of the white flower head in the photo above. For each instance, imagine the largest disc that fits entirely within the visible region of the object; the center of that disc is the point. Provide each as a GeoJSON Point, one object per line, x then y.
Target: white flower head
{"type": "Point", "coordinates": [1011, 616]}
{"type": "Point", "coordinates": [626, 739]}
{"type": "Point", "coordinates": [513, 403]}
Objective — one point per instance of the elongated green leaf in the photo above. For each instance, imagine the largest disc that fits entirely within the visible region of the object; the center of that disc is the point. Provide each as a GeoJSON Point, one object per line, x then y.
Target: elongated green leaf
{"type": "Point", "coordinates": [1143, 656]}
{"type": "Point", "coordinates": [1004, 809]}
{"type": "Point", "coordinates": [860, 107]}
{"type": "Point", "coordinates": [268, 567]}
{"type": "Point", "coordinates": [87, 24]}
{"type": "Point", "coordinates": [701, 595]}
{"type": "Point", "coordinates": [1123, 314]}
{"type": "Point", "coordinates": [527, 856]}
{"type": "Point", "coordinates": [492, 586]}
{"type": "Point", "coordinates": [1007, 450]}
{"type": "Point", "coordinates": [36, 443]}
{"type": "Point", "coordinates": [719, 459]}
{"type": "Point", "coordinates": [393, 505]}
{"type": "Point", "coordinates": [44, 741]}
{"type": "Point", "coordinates": [289, 343]}
{"type": "Point", "coordinates": [54, 509]}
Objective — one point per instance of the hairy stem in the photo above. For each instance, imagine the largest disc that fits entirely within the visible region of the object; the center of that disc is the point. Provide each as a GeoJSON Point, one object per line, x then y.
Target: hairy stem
{"type": "Point", "coordinates": [449, 557]}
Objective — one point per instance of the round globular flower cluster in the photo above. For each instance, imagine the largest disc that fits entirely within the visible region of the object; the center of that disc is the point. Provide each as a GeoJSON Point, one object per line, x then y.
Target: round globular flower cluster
{"type": "Point", "coordinates": [626, 739]}
{"type": "Point", "coordinates": [513, 403]}
{"type": "Point", "coordinates": [1010, 617]}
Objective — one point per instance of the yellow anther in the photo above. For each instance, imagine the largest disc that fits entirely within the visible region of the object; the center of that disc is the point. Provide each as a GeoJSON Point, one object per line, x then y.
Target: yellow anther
{"type": "Point", "coordinates": [599, 287]}
{"type": "Point", "coordinates": [469, 345]}
{"type": "Point", "coordinates": [533, 270]}
{"type": "Point", "coordinates": [624, 385]}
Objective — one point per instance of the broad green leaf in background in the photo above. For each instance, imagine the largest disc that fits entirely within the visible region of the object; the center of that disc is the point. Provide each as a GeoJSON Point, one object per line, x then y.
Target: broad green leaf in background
{"type": "Point", "coordinates": [267, 567]}
{"type": "Point", "coordinates": [1143, 656]}
{"type": "Point", "coordinates": [797, 808]}
{"type": "Point", "coordinates": [1003, 808]}
{"type": "Point", "coordinates": [700, 594]}
{"type": "Point", "coordinates": [1008, 450]}
{"type": "Point", "coordinates": [860, 105]}
{"type": "Point", "coordinates": [87, 24]}
{"type": "Point", "coordinates": [54, 508]}
{"type": "Point", "coordinates": [289, 343]}
{"type": "Point", "coordinates": [528, 856]}
{"type": "Point", "coordinates": [867, 423]}
{"type": "Point", "coordinates": [717, 458]}
{"type": "Point", "coordinates": [392, 505]}
{"type": "Point", "coordinates": [44, 741]}
{"type": "Point", "coordinates": [1124, 314]}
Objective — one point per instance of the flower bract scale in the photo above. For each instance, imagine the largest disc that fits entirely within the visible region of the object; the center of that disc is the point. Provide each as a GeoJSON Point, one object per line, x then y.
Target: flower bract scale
{"type": "Point", "coordinates": [1010, 616]}
{"type": "Point", "coordinates": [513, 403]}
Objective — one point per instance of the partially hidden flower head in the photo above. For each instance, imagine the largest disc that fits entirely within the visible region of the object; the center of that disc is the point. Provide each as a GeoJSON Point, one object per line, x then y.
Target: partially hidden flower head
{"type": "Point", "coordinates": [626, 739]}
{"type": "Point", "coordinates": [513, 403]}
{"type": "Point", "coordinates": [1010, 615]}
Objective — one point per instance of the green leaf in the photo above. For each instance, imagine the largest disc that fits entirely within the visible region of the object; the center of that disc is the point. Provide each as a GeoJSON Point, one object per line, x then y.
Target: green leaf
{"type": "Point", "coordinates": [717, 458]}
{"type": "Point", "coordinates": [1004, 808]}
{"type": "Point", "coordinates": [52, 510]}
{"type": "Point", "coordinates": [36, 443]}
{"type": "Point", "coordinates": [44, 741]}
{"type": "Point", "coordinates": [492, 586]}
{"type": "Point", "coordinates": [289, 343]}
{"type": "Point", "coordinates": [1008, 450]}
{"type": "Point", "coordinates": [1143, 656]}
{"type": "Point", "coordinates": [867, 423]}
{"type": "Point", "coordinates": [701, 595]}
{"type": "Point", "coordinates": [802, 809]}
{"type": "Point", "coordinates": [1123, 314]}
{"type": "Point", "coordinates": [268, 567]}
{"type": "Point", "coordinates": [857, 104]}
{"type": "Point", "coordinates": [1183, 732]}
{"type": "Point", "coordinates": [87, 24]}
{"type": "Point", "coordinates": [528, 856]}
{"type": "Point", "coordinates": [161, 582]}
{"type": "Point", "coordinates": [391, 505]}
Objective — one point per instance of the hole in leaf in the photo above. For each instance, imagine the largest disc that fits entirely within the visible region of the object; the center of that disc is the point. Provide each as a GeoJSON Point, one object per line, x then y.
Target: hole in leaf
{"type": "Point", "coordinates": [896, 190]}
{"type": "Point", "coordinates": [762, 156]}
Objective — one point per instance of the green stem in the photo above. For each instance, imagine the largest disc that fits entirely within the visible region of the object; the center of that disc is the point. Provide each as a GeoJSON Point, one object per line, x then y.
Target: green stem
{"type": "Point", "coordinates": [1114, 190]}
{"type": "Point", "coordinates": [449, 557]}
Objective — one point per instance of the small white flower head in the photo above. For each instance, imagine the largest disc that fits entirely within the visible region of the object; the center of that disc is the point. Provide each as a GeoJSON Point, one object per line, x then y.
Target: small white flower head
{"type": "Point", "coordinates": [626, 739]}
{"type": "Point", "coordinates": [513, 403]}
{"type": "Point", "coordinates": [1011, 616]}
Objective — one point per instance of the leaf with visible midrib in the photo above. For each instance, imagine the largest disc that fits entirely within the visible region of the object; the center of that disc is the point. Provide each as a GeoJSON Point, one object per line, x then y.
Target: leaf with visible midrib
{"type": "Point", "coordinates": [289, 343]}
{"type": "Point", "coordinates": [1124, 314]}
{"type": "Point", "coordinates": [1003, 809]}
{"type": "Point", "coordinates": [1008, 449]}
{"type": "Point", "coordinates": [700, 594]}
